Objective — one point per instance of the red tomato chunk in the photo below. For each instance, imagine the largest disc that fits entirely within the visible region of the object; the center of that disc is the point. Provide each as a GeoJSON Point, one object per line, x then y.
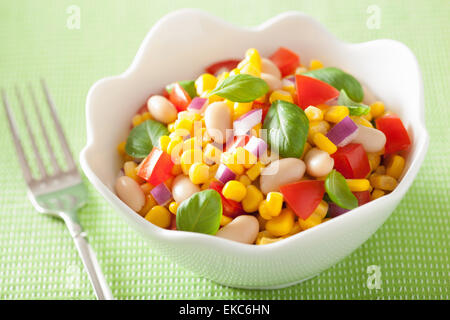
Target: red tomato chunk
{"type": "Point", "coordinates": [230, 208]}
{"type": "Point", "coordinates": [312, 92]}
{"type": "Point", "coordinates": [304, 196]}
{"type": "Point", "coordinates": [397, 138]}
{"type": "Point", "coordinates": [221, 66]}
{"type": "Point", "coordinates": [351, 161]}
{"type": "Point", "coordinates": [156, 167]}
{"type": "Point", "coordinates": [179, 97]}
{"type": "Point", "coordinates": [286, 60]}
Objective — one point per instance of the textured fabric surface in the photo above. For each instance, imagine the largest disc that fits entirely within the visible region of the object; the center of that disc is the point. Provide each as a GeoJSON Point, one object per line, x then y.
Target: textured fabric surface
{"type": "Point", "coordinates": [37, 256]}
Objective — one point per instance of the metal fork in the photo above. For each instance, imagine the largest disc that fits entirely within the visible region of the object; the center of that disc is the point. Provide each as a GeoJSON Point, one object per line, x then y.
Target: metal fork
{"type": "Point", "coordinates": [61, 193]}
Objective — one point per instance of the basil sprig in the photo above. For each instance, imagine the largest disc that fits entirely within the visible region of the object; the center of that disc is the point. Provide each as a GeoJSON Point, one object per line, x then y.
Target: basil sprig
{"type": "Point", "coordinates": [241, 88]}
{"type": "Point", "coordinates": [340, 80]}
{"type": "Point", "coordinates": [200, 213]}
{"type": "Point", "coordinates": [144, 137]}
{"type": "Point", "coordinates": [339, 192]}
{"type": "Point", "coordinates": [188, 85]}
{"type": "Point", "coordinates": [287, 128]}
{"type": "Point", "coordinates": [355, 108]}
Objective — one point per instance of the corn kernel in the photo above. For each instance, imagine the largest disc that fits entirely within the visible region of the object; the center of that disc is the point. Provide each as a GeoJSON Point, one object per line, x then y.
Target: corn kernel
{"type": "Point", "coordinates": [150, 202]}
{"type": "Point", "coordinates": [188, 158]}
{"type": "Point", "coordinates": [306, 148]}
{"type": "Point", "coordinates": [137, 120]}
{"type": "Point", "coordinates": [252, 199]}
{"type": "Point", "coordinates": [175, 146]}
{"type": "Point", "coordinates": [164, 142]}
{"type": "Point", "coordinates": [361, 121]}
{"type": "Point", "coordinates": [357, 185]}
{"type": "Point", "coordinates": [377, 193]}
{"type": "Point", "coordinates": [367, 116]}
{"type": "Point", "coordinates": [266, 240]}
{"type": "Point", "coordinates": [255, 171]}
{"type": "Point", "coordinates": [323, 143]}
{"type": "Point", "coordinates": [186, 124]}
{"type": "Point", "coordinates": [377, 109]}
{"type": "Point", "coordinates": [191, 143]}
{"type": "Point", "coordinates": [179, 133]}
{"type": "Point", "coordinates": [256, 130]}
{"type": "Point", "coordinates": [189, 115]}
{"type": "Point", "coordinates": [275, 203]}
{"type": "Point", "coordinates": [146, 187]}
{"type": "Point", "coordinates": [317, 126]}
{"type": "Point", "coordinates": [212, 153]}
{"type": "Point", "coordinates": [300, 70]}
{"type": "Point", "coordinates": [321, 210]}
{"type": "Point", "coordinates": [374, 160]}
{"type": "Point", "coordinates": [244, 157]}
{"type": "Point", "coordinates": [288, 86]}
{"type": "Point", "coordinates": [253, 57]}
{"type": "Point", "coordinates": [324, 107]}
{"type": "Point", "coordinates": [241, 108]}
{"type": "Point", "coordinates": [176, 169]}
{"type": "Point", "coordinates": [282, 224]}
{"type": "Point", "coordinates": [315, 64]}
{"type": "Point", "coordinates": [235, 72]}
{"type": "Point", "coordinates": [312, 221]}
{"type": "Point", "coordinates": [171, 127]}
{"type": "Point", "coordinates": [213, 170]}
{"type": "Point", "coordinates": [129, 168]}
{"type": "Point", "coordinates": [395, 166]}
{"type": "Point", "coordinates": [245, 180]}
{"type": "Point", "coordinates": [263, 210]}
{"type": "Point", "coordinates": [250, 69]}
{"type": "Point", "coordinates": [230, 161]}
{"type": "Point", "coordinates": [205, 82]}
{"type": "Point", "coordinates": [222, 77]}
{"type": "Point", "coordinates": [160, 216]}
{"type": "Point", "coordinates": [224, 220]}
{"type": "Point", "coordinates": [173, 207]}
{"type": "Point", "coordinates": [314, 113]}
{"type": "Point", "coordinates": [295, 229]}
{"type": "Point", "coordinates": [234, 190]}
{"type": "Point", "coordinates": [280, 95]}
{"type": "Point", "coordinates": [199, 173]}
{"type": "Point", "coordinates": [121, 148]}
{"type": "Point", "coordinates": [380, 170]}
{"type": "Point", "coordinates": [336, 113]}
{"type": "Point", "coordinates": [383, 182]}
{"type": "Point", "coordinates": [212, 98]}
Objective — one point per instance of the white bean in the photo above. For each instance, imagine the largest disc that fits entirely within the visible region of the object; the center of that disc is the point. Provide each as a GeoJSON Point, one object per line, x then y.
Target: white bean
{"type": "Point", "coordinates": [243, 229]}
{"type": "Point", "coordinates": [372, 140]}
{"type": "Point", "coordinates": [318, 163]}
{"type": "Point", "coordinates": [130, 192]}
{"type": "Point", "coordinates": [183, 188]}
{"type": "Point", "coordinates": [218, 121]}
{"type": "Point", "coordinates": [162, 109]}
{"type": "Point", "coordinates": [273, 82]}
{"type": "Point", "coordinates": [268, 67]}
{"type": "Point", "coordinates": [281, 172]}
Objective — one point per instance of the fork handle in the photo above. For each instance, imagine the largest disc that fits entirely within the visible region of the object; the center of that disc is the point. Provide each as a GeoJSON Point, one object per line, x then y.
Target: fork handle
{"type": "Point", "coordinates": [89, 259]}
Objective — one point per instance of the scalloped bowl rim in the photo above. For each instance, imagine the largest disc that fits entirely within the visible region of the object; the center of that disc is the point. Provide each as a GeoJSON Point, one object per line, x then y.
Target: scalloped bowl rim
{"type": "Point", "coordinates": [221, 243]}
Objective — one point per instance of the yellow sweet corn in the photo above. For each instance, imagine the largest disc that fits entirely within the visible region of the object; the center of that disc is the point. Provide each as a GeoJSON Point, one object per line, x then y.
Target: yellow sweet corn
{"type": "Point", "coordinates": [361, 121]}
{"type": "Point", "coordinates": [191, 143]}
{"type": "Point", "coordinates": [244, 157]}
{"type": "Point", "coordinates": [295, 229]}
{"type": "Point", "coordinates": [230, 161]}
{"type": "Point", "coordinates": [121, 148]}
{"type": "Point", "coordinates": [315, 64]}
{"type": "Point", "coordinates": [323, 143]}
{"type": "Point", "coordinates": [266, 240]}
{"type": "Point", "coordinates": [171, 127]}
{"type": "Point", "coordinates": [282, 224]}
{"type": "Point", "coordinates": [275, 203]}
{"type": "Point", "coordinates": [241, 108]}
{"type": "Point", "coordinates": [164, 142]}
{"type": "Point", "coordinates": [186, 124]}
{"type": "Point", "coordinates": [150, 202]}
{"type": "Point", "coordinates": [245, 180]}
{"type": "Point", "coordinates": [137, 120]}
{"type": "Point", "coordinates": [383, 182]}
{"type": "Point", "coordinates": [253, 57]}
{"type": "Point", "coordinates": [173, 207]}
{"type": "Point", "coordinates": [175, 146]}
{"type": "Point", "coordinates": [234, 190]}
{"type": "Point", "coordinates": [129, 168]}
{"type": "Point", "coordinates": [176, 169]}
{"type": "Point", "coordinates": [146, 116]}
{"type": "Point", "coordinates": [224, 220]}
{"type": "Point", "coordinates": [206, 82]}
{"type": "Point", "coordinates": [160, 216]}
{"type": "Point", "coordinates": [280, 95]}
{"type": "Point", "coordinates": [189, 115]}
{"type": "Point", "coordinates": [234, 72]}
{"type": "Point", "coordinates": [395, 166]}
{"type": "Point", "coordinates": [222, 77]}
{"type": "Point", "coordinates": [252, 199]}
{"type": "Point", "coordinates": [312, 221]}
{"type": "Point", "coordinates": [336, 113]}
{"type": "Point", "coordinates": [188, 158]}
{"type": "Point", "coordinates": [377, 193]}
{"type": "Point", "coordinates": [263, 210]}
{"type": "Point", "coordinates": [250, 69]}
{"type": "Point", "coordinates": [357, 185]}
{"type": "Point", "coordinates": [321, 210]}
{"type": "Point", "coordinates": [146, 187]}
{"type": "Point", "coordinates": [317, 126]}
{"type": "Point", "coordinates": [306, 148]}
{"type": "Point", "coordinates": [199, 173]}
{"type": "Point", "coordinates": [212, 153]}
{"type": "Point", "coordinates": [377, 109]}
{"type": "Point", "coordinates": [255, 171]}
{"type": "Point", "coordinates": [380, 170]}
{"type": "Point", "coordinates": [314, 113]}
{"type": "Point", "coordinates": [374, 160]}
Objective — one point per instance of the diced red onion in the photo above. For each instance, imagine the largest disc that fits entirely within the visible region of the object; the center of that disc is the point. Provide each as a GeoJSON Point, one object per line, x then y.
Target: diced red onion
{"type": "Point", "coordinates": [236, 142]}
{"type": "Point", "coordinates": [334, 210]}
{"type": "Point", "coordinates": [246, 122]}
{"type": "Point", "coordinates": [224, 174]}
{"type": "Point", "coordinates": [256, 146]}
{"type": "Point", "coordinates": [343, 132]}
{"type": "Point", "coordinates": [161, 194]}
{"type": "Point", "coordinates": [197, 104]}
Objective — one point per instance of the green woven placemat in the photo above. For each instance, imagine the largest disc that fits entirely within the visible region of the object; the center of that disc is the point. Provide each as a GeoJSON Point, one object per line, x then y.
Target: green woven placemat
{"type": "Point", "coordinates": [37, 257]}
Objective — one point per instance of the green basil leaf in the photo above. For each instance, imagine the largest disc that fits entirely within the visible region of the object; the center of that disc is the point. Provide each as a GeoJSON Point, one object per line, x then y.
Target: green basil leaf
{"type": "Point", "coordinates": [241, 88]}
{"type": "Point", "coordinates": [355, 108]}
{"type": "Point", "coordinates": [339, 192]}
{"type": "Point", "coordinates": [144, 137]}
{"type": "Point", "coordinates": [287, 128]}
{"type": "Point", "coordinates": [200, 213]}
{"type": "Point", "coordinates": [188, 85]}
{"type": "Point", "coordinates": [340, 80]}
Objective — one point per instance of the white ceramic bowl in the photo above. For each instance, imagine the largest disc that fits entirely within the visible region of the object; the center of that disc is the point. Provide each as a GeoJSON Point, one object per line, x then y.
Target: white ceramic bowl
{"type": "Point", "coordinates": [178, 47]}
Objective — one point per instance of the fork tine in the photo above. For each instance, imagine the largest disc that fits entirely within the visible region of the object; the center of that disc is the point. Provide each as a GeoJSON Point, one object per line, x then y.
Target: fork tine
{"type": "Point", "coordinates": [17, 144]}
{"type": "Point", "coordinates": [37, 154]}
{"type": "Point", "coordinates": [59, 131]}
{"type": "Point", "coordinates": [56, 167]}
